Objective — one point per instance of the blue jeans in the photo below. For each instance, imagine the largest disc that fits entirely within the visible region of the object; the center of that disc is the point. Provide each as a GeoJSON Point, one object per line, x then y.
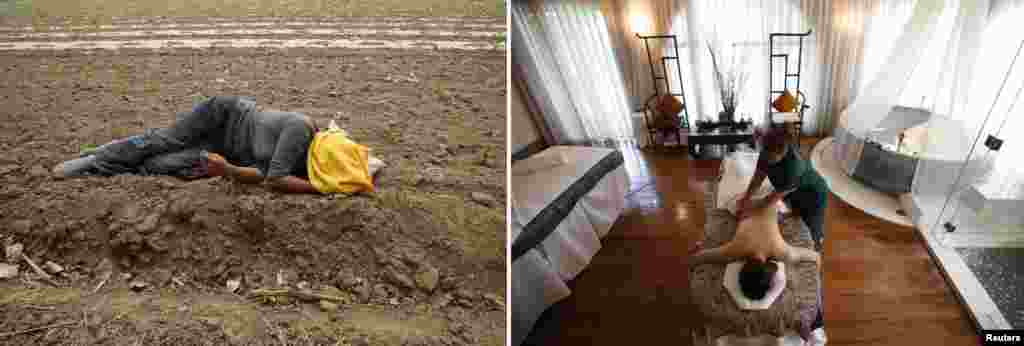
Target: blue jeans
{"type": "Point", "coordinates": [178, 150]}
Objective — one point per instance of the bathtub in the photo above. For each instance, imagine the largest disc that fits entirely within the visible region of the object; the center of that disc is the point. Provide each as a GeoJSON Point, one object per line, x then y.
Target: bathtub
{"type": "Point", "coordinates": [933, 145]}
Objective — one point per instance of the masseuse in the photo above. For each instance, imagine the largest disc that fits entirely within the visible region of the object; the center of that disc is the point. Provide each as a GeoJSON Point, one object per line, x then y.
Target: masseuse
{"type": "Point", "coordinates": [794, 180]}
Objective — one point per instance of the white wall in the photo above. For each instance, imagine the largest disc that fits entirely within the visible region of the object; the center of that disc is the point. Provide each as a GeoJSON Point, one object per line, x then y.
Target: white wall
{"type": "Point", "coordinates": [524, 131]}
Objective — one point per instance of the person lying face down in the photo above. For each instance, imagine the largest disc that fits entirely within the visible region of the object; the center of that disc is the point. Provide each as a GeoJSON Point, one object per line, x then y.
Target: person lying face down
{"type": "Point", "coordinates": [758, 241]}
{"type": "Point", "coordinates": [229, 137]}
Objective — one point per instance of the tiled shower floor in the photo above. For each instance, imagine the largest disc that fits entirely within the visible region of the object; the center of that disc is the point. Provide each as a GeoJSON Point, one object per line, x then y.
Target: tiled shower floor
{"type": "Point", "coordinates": [999, 270]}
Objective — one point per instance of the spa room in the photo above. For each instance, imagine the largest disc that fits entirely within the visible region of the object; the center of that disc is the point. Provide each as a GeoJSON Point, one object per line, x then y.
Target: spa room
{"type": "Point", "coordinates": [874, 136]}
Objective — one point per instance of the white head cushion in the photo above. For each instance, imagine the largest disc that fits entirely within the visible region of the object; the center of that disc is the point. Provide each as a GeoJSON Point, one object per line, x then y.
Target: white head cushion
{"type": "Point", "coordinates": [731, 282]}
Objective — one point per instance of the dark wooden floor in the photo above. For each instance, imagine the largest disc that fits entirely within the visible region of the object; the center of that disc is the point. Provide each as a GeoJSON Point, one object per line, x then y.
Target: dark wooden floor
{"type": "Point", "coordinates": [881, 286]}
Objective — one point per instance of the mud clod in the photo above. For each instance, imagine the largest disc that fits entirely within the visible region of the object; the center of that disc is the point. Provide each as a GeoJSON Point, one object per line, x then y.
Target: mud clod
{"type": "Point", "coordinates": [138, 285]}
{"type": "Point", "coordinates": [483, 198]}
{"type": "Point", "coordinates": [427, 278]}
{"type": "Point", "coordinates": [13, 252]}
{"type": "Point", "coordinates": [148, 224]}
{"type": "Point", "coordinates": [52, 267]}
{"type": "Point", "coordinates": [22, 227]}
{"type": "Point", "coordinates": [400, 279]}
{"type": "Point", "coordinates": [8, 271]}
{"type": "Point", "coordinates": [327, 306]}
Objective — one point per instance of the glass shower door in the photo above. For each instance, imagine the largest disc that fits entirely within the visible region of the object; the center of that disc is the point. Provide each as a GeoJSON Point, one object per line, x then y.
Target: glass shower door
{"type": "Point", "coordinates": [984, 203]}
{"type": "Point", "coordinates": [987, 210]}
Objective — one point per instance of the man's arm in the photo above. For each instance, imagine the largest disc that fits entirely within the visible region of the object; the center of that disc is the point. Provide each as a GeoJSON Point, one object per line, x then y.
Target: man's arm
{"type": "Point", "coordinates": [287, 184]}
{"type": "Point", "coordinates": [245, 175]}
{"type": "Point", "coordinates": [291, 184]}
{"type": "Point", "coordinates": [249, 175]}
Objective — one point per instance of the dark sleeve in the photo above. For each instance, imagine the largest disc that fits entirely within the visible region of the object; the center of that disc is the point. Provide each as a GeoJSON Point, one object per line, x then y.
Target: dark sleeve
{"type": "Point", "coordinates": [790, 177]}
{"type": "Point", "coordinates": [794, 168]}
{"type": "Point", "coordinates": [290, 150]}
{"type": "Point", "coordinates": [762, 163]}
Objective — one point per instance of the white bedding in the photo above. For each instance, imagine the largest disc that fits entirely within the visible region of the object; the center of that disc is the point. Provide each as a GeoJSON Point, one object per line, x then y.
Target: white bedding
{"type": "Point", "coordinates": [577, 238]}
{"type": "Point", "coordinates": [535, 287]}
{"type": "Point", "coordinates": [539, 276]}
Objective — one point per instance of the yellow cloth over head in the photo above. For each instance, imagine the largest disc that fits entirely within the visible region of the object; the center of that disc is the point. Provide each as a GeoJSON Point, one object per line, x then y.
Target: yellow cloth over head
{"type": "Point", "coordinates": [336, 164]}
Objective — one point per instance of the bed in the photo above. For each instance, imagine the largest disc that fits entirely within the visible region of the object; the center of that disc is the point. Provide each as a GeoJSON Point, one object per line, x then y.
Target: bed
{"type": "Point", "coordinates": [561, 207]}
{"type": "Point", "coordinates": [724, 322]}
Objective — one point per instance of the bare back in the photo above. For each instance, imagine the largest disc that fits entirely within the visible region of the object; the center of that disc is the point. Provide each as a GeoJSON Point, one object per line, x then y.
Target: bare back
{"type": "Point", "coordinates": [757, 235]}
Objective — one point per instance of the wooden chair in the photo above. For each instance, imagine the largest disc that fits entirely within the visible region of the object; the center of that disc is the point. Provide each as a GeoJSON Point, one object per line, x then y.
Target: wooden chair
{"type": "Point", "coordinates": [791, 121]}
{"type": "Point", "coordinates": [659, 123]}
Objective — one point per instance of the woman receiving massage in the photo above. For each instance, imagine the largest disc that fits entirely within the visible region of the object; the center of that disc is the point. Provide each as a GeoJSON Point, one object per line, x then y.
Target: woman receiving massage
{"type": "Point", "coordinates": [758, 240]}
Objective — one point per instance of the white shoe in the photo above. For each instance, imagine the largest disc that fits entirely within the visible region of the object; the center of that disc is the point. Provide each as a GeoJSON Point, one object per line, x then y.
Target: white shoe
{"type": "Point", "coordinates": [74, 168]}
{"type": "Point", "coordinates": [376, 165]}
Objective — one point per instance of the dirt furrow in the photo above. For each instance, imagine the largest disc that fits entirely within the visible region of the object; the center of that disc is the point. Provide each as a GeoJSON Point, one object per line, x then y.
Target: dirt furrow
{"type": "Point", "coordinates": [325, 19]}
{"type": "Point", "coordinates": [170, 25]}
{"type": "Point", "coordinates": [277, 33]}
{"type": "Point", "coordinates": [230, 42]}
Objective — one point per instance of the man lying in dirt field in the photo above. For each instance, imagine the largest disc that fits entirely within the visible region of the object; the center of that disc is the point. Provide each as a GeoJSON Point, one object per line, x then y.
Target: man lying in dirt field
{"type": "Point", "coordinates": [228, 136]}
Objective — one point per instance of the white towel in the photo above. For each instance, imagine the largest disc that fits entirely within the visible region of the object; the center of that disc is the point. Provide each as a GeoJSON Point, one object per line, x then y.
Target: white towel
{"type": "Point", "coordinates": [731, 282]}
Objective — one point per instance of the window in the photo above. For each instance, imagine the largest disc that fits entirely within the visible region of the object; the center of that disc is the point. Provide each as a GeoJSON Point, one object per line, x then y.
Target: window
{"type": "Point", "coordinates": [744, 26]}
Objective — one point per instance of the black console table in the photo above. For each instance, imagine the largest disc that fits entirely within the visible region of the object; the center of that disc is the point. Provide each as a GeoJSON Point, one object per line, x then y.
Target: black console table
{"type": "Point", "coordinates": [719, 136]}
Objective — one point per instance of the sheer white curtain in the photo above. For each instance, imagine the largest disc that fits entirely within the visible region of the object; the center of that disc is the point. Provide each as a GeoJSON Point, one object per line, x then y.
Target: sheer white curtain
{"type": "Point", "coordinates": [1000, 45]}
{"type": "Point", "coordinates": [881, 30]}
{"type": "Point", "coordinates": [626, 19]}
{"type": "Point", "coordinates": [889, 79]}
{"type": "Point", "coordinates": [930, 81]}
{"type": "Point", "coordinates": [841, 47]}
{"type": "Point", "coordinates": [566, 57]}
